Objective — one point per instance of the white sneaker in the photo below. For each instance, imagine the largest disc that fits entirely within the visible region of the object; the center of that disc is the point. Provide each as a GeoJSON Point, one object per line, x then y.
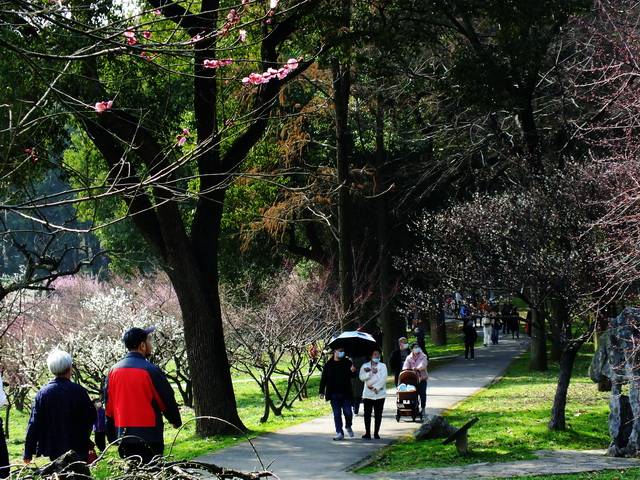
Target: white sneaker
{"type": "Point", "coordinates": [350, 432]}
{"type": "Point", "coordinates": [339, 436]}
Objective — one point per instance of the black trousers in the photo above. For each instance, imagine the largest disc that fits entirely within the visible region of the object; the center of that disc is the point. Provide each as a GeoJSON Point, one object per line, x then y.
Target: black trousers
{"type": "Point", "coordinates": [469, 349]}
{"type": "Point", "coordinates": [101, 440]}
{"type": "Point", "coordinates": [146, 451]}
{"type": "Point", "coordinates": [377, 406]}
{"type": "Point", "coordinates": [4, 454]}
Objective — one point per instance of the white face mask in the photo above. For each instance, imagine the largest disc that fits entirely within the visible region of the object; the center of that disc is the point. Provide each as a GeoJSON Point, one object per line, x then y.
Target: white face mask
{"type": "Point", "coordinates": [417, 350]}
{"type": "Point", "coordinates": [403, 346]}
{"type": "Point", "coordinates": [375, 359]}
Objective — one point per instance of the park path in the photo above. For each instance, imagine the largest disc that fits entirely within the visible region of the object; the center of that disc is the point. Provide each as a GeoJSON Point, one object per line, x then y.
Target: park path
{"type": "Point", "coordinates": [307, 451]}
{"type": "Point", "coordinates": [549, 462]}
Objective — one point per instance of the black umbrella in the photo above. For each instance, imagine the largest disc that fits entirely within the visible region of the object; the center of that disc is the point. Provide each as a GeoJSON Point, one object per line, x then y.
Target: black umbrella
{"type": "Point", "coordinates": [355, 344]}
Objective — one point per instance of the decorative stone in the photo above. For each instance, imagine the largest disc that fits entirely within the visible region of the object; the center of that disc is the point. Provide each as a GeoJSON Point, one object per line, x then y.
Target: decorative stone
{"type": "Point", "coordinates": [434, 426]}
{"type": "Point", "coordinates": [617, 360]}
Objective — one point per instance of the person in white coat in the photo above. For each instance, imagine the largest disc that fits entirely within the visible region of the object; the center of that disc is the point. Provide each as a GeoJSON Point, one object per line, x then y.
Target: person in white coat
{"type": "Point", "coordinates": [374, 376]}
{"type": "Point", "coordinates": [487, 321]}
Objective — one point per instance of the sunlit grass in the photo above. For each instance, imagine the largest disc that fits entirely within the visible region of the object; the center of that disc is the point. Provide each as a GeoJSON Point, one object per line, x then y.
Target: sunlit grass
{"type": "Point", "coordinates": [513, 422]}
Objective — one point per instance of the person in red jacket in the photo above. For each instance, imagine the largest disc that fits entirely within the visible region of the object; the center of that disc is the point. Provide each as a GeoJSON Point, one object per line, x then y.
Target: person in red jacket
{"type": "Point", "coordinates": [137, 395]}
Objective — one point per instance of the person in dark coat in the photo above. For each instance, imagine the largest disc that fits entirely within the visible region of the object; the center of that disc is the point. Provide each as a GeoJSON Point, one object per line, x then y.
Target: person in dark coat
{"type": "Point", "coordinates": [4, 452]}
{"type": "Point", "coordinates": [137, 395]}
{"type": "Point", "coordinates": [357, 385]}
{"type": "Point", "coordinates": [470, 337]}
{"type": "Point", "coordinates": [398, 357]}
{"type": "Point", "coordinates": [99, 426]}
{"type": "Point", "coordinates": [62, 415]}
{"type": "Point", "coordinates": [335, 387]}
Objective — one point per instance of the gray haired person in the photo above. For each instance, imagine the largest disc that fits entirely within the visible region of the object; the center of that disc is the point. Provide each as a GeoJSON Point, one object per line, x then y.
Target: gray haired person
{"type": "Point", "coordinates": [62, 415]}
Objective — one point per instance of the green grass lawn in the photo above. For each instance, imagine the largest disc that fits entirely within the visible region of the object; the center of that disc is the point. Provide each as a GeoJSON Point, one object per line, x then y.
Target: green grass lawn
{"type": "Point", "coordinates": [630, 474]}
{"type": "Point", "coordinates": [513, 422]}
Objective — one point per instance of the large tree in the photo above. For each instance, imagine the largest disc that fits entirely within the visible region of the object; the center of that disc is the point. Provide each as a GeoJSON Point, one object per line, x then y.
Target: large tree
{"type": "Point", "coordinates": [123, 79]}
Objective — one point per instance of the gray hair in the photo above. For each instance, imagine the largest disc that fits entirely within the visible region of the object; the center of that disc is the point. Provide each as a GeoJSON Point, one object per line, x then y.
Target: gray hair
{"type": "Point", "coordinates": [59, 362]}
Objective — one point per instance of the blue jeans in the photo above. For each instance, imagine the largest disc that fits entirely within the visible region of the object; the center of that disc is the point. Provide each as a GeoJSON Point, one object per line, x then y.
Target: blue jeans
{"type": "Point", "coordinates": [341, 405]}
{"type": "Point", "coordinates": [422, 393]}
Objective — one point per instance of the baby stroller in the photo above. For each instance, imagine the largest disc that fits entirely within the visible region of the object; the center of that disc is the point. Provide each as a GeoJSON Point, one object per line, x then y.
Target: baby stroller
{"type": "Point", "coordinates": [407, 396]}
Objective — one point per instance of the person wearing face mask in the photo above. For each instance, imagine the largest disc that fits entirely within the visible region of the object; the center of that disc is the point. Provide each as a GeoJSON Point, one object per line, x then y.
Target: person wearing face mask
{"type": "Point", "coordinates": [398, 357]}
{"type": "Point", "coordinates": [418, 362]}
{"type": "Point", "coordinates": [374, 376]}
{"type": "Point", "coordinates": [335, 386]}
{"type": "Point", "coordinates": [136, 395]}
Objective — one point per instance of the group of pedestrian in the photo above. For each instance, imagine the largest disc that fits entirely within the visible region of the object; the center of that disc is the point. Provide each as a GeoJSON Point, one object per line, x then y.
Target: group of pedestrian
{"type": "Point", "coordinates": [135, 397]}
{"type": "Point", "coordinates": [346, 383]}
{"type": "Point", "coordinates": [491, 326]}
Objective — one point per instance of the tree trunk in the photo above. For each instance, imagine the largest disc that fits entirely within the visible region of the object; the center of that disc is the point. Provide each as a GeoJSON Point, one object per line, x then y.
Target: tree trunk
{"type": "Point", "coordinates": [341, 92]}
{"type": "Point", "coordinates": [557, 322]}
{"type": "Point", "coordinates": [538, 360]}
{"type": "Point", "coordinates": [439, 328]}
{"type": "Point", "coordinates": [391, 328]}
{"type": "Point", "coordinates": [7, 415]}
{"type": "Point", "coordinates": [267, 402]}
{"type": "Point", "coordinates": [602, 324]}
{"type": "Point", "coordinates": [194, 274]}
{"type": "Point", "coordinates": [567, 360]}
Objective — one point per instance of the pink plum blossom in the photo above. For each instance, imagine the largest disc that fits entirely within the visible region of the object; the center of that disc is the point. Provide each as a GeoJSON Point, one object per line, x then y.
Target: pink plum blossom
{"type": "Point", "coordinates": [101, 107]}
{"type": "Point", "coordinates": [130, 35]}
{"type": "Point", "coordinates": [271, 73]}
{"type": "Point", "coordinates": [157, 12]}
{"type": "Point", "coordinates": [182, 138]}
{"type": "Point", "coordinates": [242, 35]}
{"type": "Point", "coordinates": [146, 34]}
{"type": "Point", "coordinates": [217, 63]}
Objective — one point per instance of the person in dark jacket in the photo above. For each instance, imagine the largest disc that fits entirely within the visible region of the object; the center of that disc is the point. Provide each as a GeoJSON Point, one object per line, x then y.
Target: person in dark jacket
{"type": "Point", "coordinates": [137, 394]}
{"type": "Point", "coordinates": [357, 385]}
{"type": "Point", "coordinates": [99, 427]}
{"type": "Point", "coordinates": [398, 357]}
{"type": "Point", "coordinates": [5, 469]}
{"type": "Point", "coordinates": [470, 337]}
{"type": "Point", "coordinates": [335, 386]}
{"type": "Point", "coordinates": [62, 415]}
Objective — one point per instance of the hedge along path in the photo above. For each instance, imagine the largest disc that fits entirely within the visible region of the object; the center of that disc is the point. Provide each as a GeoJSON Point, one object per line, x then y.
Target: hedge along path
{"type": "Point", "coordinates": [307, 450]}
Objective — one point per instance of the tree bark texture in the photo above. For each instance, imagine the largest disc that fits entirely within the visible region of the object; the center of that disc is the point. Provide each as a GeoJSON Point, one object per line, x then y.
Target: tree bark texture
{"type": "Point", "coordinates": [558, 412]}
{"type": "Point", "coordinates": [538, 360]}
{"type": "Point", "coordinates": [392, 327]}
{"type": "Point", "coordinates": [439, 328]}
{"type": "Point", "coordinates": [341, 91]}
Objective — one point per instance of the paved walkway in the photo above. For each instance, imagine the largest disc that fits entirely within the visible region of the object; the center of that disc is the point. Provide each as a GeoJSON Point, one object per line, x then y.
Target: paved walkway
{"type": "Point", "coordinates": [549, 462]}
{"type": "Point", "coordinates": [306, 451]}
